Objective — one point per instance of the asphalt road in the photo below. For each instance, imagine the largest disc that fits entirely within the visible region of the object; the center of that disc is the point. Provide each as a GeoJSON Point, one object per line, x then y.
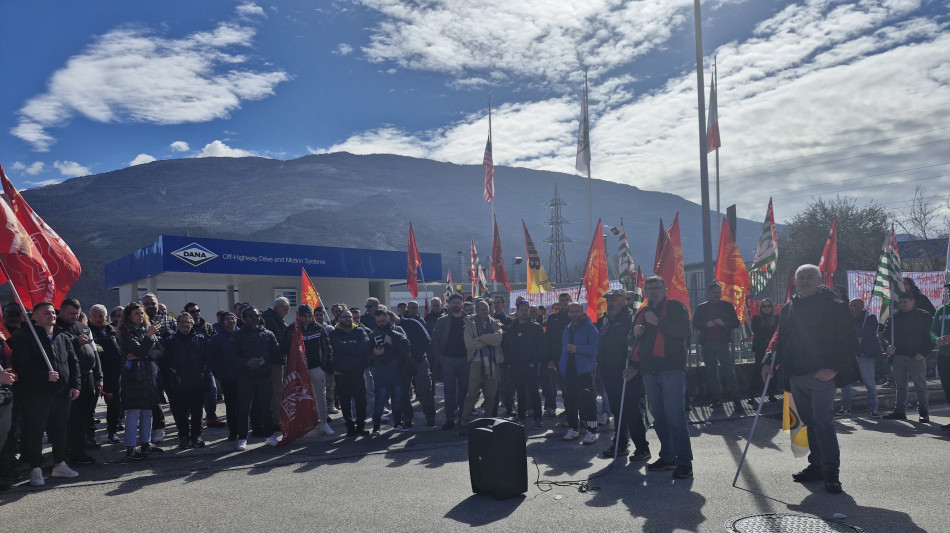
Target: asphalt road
{"type": "Point", "coordinates": [894, 475]}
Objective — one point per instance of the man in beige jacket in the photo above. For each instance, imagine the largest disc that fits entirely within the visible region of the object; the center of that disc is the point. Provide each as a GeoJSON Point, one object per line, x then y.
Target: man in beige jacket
{"type": "Point", "coordinates": [483, 342]}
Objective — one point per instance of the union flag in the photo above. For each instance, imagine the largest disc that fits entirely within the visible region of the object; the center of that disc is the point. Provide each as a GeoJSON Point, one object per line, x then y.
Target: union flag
{"type": "Point", "coordinates": [22, 264]}
{"type": "Point", "coordinates": [596, 281]}
{"type": "Point", "coordinates": [310, 295]}
{"type": "Point", "coordinates": [298, 413]}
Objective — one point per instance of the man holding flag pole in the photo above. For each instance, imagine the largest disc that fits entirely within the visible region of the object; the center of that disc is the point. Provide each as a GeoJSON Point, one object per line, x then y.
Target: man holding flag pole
{"type": "Point", "coordinates": [815, 354]}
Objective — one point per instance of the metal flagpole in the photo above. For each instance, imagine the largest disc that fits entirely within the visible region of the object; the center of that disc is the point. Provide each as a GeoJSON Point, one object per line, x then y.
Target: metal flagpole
{"type": "Point", "coordinates": [716, 85]}
{"type": "Point", "coordinates": [494, 283]}
{"type": "Point", "coordinates": [26, 317]}
{"type": "Point", "coordinates": [623, 396]}
{"type": "Point", "coordinates": [590, 208]}
{"type": "Point", "coordinates": [703, 165]}
{"type": "Point", "coordinates": [758, 412]}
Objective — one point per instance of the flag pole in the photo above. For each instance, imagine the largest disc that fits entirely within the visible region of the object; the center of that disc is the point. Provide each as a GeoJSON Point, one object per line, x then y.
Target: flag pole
{"type": "Point", "coordinates": [708, 268]}
{"type": "Point", "coordinates": [26, 316]}
{"type": "Point", "coordinates": [758, 412]}
{"type": "Point", "coordinates": [716, 85]}
{"type": "Point", "coordinates": [494, 284]}
{"type": "Point", "coordinates": [590, 209]}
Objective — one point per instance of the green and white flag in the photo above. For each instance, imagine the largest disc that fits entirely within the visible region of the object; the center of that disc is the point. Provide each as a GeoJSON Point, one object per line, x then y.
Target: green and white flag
{"type": "Point", "coordinates": [628, 273]}
{"type": "Point", "coordinates": [766, 253]}
{"type": "Point", "coordinates": [890, 279]}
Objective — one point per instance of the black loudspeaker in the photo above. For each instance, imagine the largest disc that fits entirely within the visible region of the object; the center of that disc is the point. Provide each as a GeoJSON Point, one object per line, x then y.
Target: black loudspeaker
{"type": "Point", "coordinates": [497, 457]}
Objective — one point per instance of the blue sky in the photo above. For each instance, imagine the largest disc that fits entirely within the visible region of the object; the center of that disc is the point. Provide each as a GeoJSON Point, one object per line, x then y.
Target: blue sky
{"type": "Point", "coordinates": [815, 98]}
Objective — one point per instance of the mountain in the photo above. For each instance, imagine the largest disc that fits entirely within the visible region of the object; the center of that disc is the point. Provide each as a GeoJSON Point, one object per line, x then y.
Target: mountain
{"type": "Point", "coordinates": [359, 201]}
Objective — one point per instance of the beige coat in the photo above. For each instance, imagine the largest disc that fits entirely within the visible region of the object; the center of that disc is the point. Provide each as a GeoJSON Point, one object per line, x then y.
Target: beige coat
{"type": "Point", "coordinates": [474, 342]}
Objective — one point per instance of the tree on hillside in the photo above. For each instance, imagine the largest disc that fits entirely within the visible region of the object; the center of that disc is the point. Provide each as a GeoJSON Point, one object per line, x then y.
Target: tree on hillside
{"type": "Point", "coordinates": [921, 220]}
{"type": "Point", "coordinates": [860, 235]}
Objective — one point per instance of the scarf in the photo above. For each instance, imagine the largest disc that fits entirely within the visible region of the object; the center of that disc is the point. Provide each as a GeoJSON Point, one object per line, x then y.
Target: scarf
{"type": "Point", "coordinates": [487, 353]}
{"type": "Point", "coordinates": [659, 344]}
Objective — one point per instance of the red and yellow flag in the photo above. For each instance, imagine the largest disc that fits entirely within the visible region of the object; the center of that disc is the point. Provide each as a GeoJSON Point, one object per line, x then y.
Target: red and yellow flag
{"type": "Point", "coordinates": [732, 273]}
{"type": "Point", "coordinates": [298, 413]}
{"type": "Point", "coordinates": [596, 281]}
{"type": "Point", "coordinates": [21, 261]}
{"type": "Point", "coordinates": [310, 295]}
{"type": "Point", "coordinates": [670, 266]}
{"type": "Point", "coordinates": [413, 262]}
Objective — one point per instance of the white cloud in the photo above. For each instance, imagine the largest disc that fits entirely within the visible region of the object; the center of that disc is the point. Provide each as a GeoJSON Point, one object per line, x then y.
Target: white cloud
{"type": "Point", "coordinates": [179, 146]}
{"type": "Point", "coordinates": [811, 83]}
{"type": "Point", "coordinates": [219, 149]}
{"type": "Point", "coordinates": [134, 75]}
{"type": "Point", "coordinates": [250, 10]}
{"type": "Point", "coordinates": [35, 168]}
{"type": "Point", "coordinates": [71, 169]}
{"type": "Point", "coordinates": [141, 159]}
{"type": "Point", "coordinates": [343, 49]}
{"type": "Point", "coordinates": [43, 183]}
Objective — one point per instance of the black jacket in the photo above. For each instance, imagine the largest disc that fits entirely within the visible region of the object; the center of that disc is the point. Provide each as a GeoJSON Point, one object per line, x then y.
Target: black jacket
{"type": "Point", "coordinates": [676, 331]}
{"type": "Point", "coordinates": [224, 364]}
{"type": "Point", "coordinates": [109, 356]}
{"type": "Point", "coordinates": [612, 348]}
{"type": "Point", "coordinates": [814, 333]}
{"type": "Point", "coordinates": [32, 372]}
{"type": "Point", "coordinates": [762, 332]}
{"type": "Point", "coordinates": [251, 342]}
{"type": "Point", "coordinates": [523, 344]}
{"type": "Point", "coordinates": [87, 354]}
{"type": "Point", "coordinates": [185, 362]}
{"type": "Point", "coordinates": [911, 332]}
{"type": "Point", "coordinates": [418, 336]}
{"type": "Point", "coordinates": [394, 355]}
{"type": "Point", "coordinates": [432, 317]}
{"type": "Point", "coordinates": [351, 350]}
{"type": "Point", "coordinates": [281, 331]}
{"type": "Point", "coordinates": [316, 342]}
{"type": "Point", "coordinates": [725, 311]}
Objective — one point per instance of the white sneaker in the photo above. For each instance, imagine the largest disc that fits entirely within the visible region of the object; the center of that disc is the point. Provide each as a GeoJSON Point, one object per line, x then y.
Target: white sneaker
{"type": "Point", "coordinates": [327, 430]}
{"type": "Point", "coordinates": [603, 420]}
{"type": "Point", "coordinates": [272, 440]}
{"type": "Point", "coordinates": [158, 435]}
{"type": "Point", "coordinates": [241, 445]}
{"type": "Point", "coordinates": [589, 438]}
{"type": "Point", "coordinates": [571, 434]}
{"type": "Point", "coordinates": [36, 477]}
{"type": "Point", "coordinates": [62, 470]}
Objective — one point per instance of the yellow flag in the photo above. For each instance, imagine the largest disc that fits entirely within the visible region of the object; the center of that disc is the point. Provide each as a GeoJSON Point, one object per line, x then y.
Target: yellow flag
{"type": "Point", "coordinates": [537, 278]}
{"type": "Point", "coordinates": [793, 424]}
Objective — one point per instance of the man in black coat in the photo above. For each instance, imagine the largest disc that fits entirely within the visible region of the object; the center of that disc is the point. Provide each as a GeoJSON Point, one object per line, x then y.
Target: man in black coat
{"type": "Point", "coordinates": [523, 346]}
{"type": "Point", "coordinates": [554, 329]}
{"type": "Point", "coordinates": [81, 430]}
{"type": "Point", "coordinates": [715, 320]}
{"type": "Point", "coordinates": [816, 353]}
{"type": "Point", "coordinates": [45, 395]}
{"type": "Point", "coordinates": [419, 341]}
{"type": "Point", "coordinates": [612, 359]}
{"type": "Point", "coordinates": [907, 340]}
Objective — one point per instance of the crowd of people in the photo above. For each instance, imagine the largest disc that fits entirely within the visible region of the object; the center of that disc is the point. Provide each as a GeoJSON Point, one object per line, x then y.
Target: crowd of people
{"type": "Point", "coordinates": [369, 364]}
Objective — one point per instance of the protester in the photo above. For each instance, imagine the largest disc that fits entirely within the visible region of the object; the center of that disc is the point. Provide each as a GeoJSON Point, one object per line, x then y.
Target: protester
{"type": "Point", "coordinates": [421, 381]}
{"type": "Point", "coordinates": [209, 330]}
{"type": "Point", "coordinates": [715, 319]}
{"type": "Point", "coordinates": [940, 334]}
{"type": "Point", "coordinates": [224, 365]}
{"type": "Point", "coordinates": [45, 394]}
{"type": "Point", "coordinates": [579, 345]}
{"type": "Point", "coordinates": [548, 374]}
{"type": "Point", "coordinates": [391, 359]}
{"type": "Point", "coordinates": [612, 359]}
{"type": "Point", "coordinates": [319, 316]}
{"type": "Point", "coordinates": [81, 430]}
{"type": "Point", "coordinates": [274, 322]}
{"type": "Point", "coordinates": [158, 315]}
{"type": "Point", "coordinates": [483, 335]}
{"type": "Point", "coordinates": [907, 341]}
{"type": "Point", "coordinates": [865, 326]}
{"type": "Point", "coordinates": [920, 299]}
{"type": "Point", "coordinates": [763, 328]}
{"type": "Point", "coordinates": [448, 348]}
{"type": "Point", "coordinates": [660, 333]}
{"type": "Point", "coordinates": [351, 355]}
{"type": "Point", "coordinates": [139, 377]}
{"type": "Point", "coordinates": [815, 354]}
{"type": "Point", "coordinates": [258, 355]}
{"type": "Point", "coordinates": [319, 362]}
{"type": "Point", "coordinates": [368, 319]}
{"type": "Point", "coordinates": [187, 371]}
{"type": "Point", "coordinates": [523, 346]}
{"type": "Point", "coordinates": [111, 359]}
{"type": "Point", "coordinates": [7, 379]}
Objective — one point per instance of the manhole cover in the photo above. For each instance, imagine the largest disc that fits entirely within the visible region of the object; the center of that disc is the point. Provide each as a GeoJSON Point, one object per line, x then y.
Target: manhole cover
{"type": "Point", "coordinates": [787, 523]}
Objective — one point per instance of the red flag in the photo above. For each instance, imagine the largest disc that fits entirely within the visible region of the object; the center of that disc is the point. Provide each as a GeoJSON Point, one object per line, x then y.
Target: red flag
{"type": "Point", "coordinates": [712, 125]}
{"type": "Point", "coordinates": [60, 260]}
{"type": "Point", "coordinates": [310, 295]}
{"type": "Point", "coordinates": [489, 194]}
{"type": "Point", "coordinates": [732, 273]}
{"type": "Point", "coordinates": [671, 264]}
{"type": "Point", "coordinates": [298, 413]}
{"type": "Point", "coordinates": [829, 256]}
{"type": "Point", "coordinates": [22, 263]}
{"type": "Point", "coordinates": [596, 282]}
{"type": "Point", "coordinates": [790, 283]}
{"type": "Point", "coordinates": [413, 262]}
{"type": "Point", "coordinates": [660, 242]}
{"type": "Point", "coordinates": [498, 271]}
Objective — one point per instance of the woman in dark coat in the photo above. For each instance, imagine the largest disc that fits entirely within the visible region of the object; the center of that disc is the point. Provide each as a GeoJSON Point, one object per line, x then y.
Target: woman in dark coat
{"type": "Point", "coordinates": [138, 378]}
{"type": "Point", "coordinates": [763, 327]}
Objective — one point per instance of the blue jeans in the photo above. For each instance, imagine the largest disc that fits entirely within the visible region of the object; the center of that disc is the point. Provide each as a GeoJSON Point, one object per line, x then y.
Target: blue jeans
{"type": "Point", "coordinates": [140, 419]}
{"type": "Point", "coordinates": [666, 394]}
{"type": "Point", "coordinates": [866, 365]}
{"type": "Point", "coordinates": [387, 384]}
{"type": "Point", "coordinates": [211, 399]}
{"type": "Point", "coordinates": [455, 381]}
{"type": "Point", "coordinates": [815, 402]}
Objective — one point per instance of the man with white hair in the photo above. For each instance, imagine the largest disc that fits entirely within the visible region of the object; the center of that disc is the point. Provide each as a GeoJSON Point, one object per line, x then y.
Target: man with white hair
{"type": "Point", "coordinates": [814, 355]}
{"type": "Point", "coordinates": [274, 322]}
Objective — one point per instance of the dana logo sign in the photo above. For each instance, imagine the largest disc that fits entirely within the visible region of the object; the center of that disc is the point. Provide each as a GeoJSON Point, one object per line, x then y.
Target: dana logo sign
{"type": "Point", "coordinates": [194, 254]}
